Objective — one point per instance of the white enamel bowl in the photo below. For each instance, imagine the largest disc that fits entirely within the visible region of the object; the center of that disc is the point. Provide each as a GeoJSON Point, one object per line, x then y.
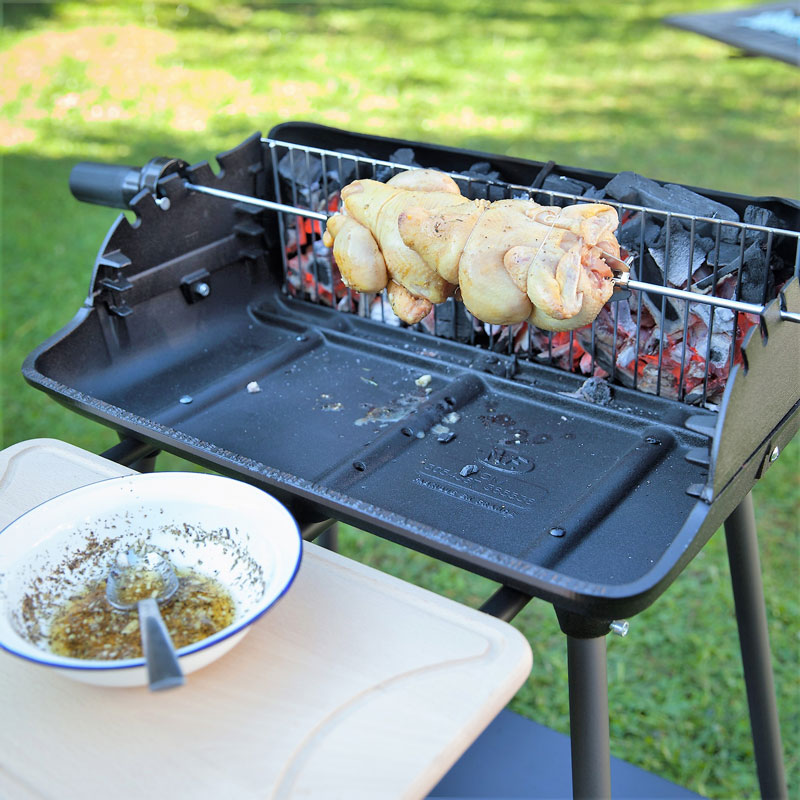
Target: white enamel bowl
{"type": "Point", "coordinates": [219, 526]}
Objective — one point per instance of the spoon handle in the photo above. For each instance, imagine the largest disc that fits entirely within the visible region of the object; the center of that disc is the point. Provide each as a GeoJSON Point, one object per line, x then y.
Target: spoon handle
{"type": "Point", "coordinates": [163, 669]}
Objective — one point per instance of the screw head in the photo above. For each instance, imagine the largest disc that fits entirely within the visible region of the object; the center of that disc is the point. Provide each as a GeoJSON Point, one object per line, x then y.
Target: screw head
{"type": "Point", "coordinates": [619, 627]}
{"type": "Point", "coordinates": [773, 456]}
{"type": "Point", "coordinates": [202, 289]}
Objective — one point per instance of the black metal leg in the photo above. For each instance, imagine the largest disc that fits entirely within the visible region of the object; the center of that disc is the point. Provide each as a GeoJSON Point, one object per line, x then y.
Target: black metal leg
{"type": "Point", "coordinates": [311, 531]}
{"type": "Point", "coordinates": [147, 464]}
{"type": "Point", "coordinates": [329, 538]}
{"type": "Point", "coordinates": [506, 603]}
{"type": "Point", "coordinates": [134, 454]}
{"type": "Point", "coordinates": [588, 718]}
{"type": "Point", "coordinates": [751, 616]}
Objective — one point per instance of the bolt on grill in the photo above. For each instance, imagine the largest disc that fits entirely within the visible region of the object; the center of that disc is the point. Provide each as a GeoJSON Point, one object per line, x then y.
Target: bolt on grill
{"type": "Point", "coordinates": [674, 327]}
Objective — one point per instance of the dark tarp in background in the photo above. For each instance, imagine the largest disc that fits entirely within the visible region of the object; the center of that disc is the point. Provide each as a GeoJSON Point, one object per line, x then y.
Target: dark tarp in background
{"type": "Point", "coordinates": [771, 30]}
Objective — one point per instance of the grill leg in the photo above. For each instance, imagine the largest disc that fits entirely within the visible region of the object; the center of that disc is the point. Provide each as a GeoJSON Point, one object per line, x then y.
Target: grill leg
{"type": "Point", "coordinates": [134, 454]}
{"type": "Point", "coordinates": [505, 603]}
{"type": "Point", "coordinates": [588, 718]}
{"type": "Point", "coordinates": [329, 538]}
{"type": "Point", "coordinates": [751, 616]}
{"type": "Point", "coordinates": [147, 464]}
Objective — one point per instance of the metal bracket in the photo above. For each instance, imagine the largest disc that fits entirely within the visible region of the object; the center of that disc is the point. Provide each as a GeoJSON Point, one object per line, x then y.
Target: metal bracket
{"type": "Point", "coordinates": [112, 279]}
{"type": "Point", "coordinates": [195, 285]}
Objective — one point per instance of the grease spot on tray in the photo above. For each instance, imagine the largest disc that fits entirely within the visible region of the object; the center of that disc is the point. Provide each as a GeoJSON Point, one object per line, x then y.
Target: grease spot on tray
{"type": "Point", "coordinates": [497, 419]}
{"type": "Point", "coordinates": [327, 403]}
{"type": "Point", "coordinates": [394, 411]}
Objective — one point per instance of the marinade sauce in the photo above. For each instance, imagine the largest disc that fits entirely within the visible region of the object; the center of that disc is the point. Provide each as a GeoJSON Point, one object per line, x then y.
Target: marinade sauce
{"type": "Point", "coordinates": [88, 627]}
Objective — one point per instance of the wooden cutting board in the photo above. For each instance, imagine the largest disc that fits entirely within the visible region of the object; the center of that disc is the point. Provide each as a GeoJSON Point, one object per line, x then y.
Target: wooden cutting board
{"type": "Point", "coordinates": [355, 685]}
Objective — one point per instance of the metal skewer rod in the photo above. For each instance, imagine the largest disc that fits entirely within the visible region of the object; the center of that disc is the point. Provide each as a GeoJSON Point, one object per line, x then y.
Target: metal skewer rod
{"type": "Point", "coordinates": [684, 294]}
{"type": "Point", "coordinates": [620, 280]}
{"type": "Point", "coordinates": [255, 201]}
{"type": "Point", "coordinates": [695, 297]}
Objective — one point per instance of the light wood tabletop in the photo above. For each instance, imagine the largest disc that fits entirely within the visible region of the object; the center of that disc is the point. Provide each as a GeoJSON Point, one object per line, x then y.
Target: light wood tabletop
{"type": "Point", "coordinates": [355, 685]}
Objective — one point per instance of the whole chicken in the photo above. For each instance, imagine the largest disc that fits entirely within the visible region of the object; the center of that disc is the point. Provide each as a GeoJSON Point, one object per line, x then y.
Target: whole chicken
{"type": "Point", "coordinates": [511, 260]}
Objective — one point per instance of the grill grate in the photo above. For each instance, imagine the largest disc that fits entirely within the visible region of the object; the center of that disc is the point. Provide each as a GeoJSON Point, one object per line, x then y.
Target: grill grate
{"type": "Point", "coordinates": [651, 337]}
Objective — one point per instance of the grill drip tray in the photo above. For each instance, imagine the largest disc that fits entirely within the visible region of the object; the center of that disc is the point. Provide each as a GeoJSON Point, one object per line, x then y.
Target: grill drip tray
{"type": "Point", "coordinates": [423, 440]}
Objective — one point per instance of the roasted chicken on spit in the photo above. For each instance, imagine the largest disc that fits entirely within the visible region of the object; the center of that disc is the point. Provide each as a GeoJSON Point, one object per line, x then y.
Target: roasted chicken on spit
{"type": "Point", "coordinates": [511, 260]}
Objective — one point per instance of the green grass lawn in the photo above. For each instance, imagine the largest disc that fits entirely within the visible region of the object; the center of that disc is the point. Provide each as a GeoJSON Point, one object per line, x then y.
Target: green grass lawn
{"type": "Point", "coordinates": [597, 84]}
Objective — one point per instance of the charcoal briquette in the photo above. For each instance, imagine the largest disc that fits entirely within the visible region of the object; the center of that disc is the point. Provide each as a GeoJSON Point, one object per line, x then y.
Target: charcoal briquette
{"type": "Point", "coordinates": [630, 187]}
{"type": "Point", "coordinates": [755, 274]}
{"type": "Point", "coordinates": [561, 183]}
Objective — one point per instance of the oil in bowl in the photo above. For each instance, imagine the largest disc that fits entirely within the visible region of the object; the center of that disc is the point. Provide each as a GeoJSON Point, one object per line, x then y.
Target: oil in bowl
{"type": "Point", "coordinates": [88, 627]}
{"type": "Point", "coordinates": [59, 554]}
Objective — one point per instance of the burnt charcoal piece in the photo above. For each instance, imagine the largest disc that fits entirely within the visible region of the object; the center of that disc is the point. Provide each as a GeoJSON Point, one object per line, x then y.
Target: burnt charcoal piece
{"type": "Point", "coordinates": [560, 183]}
{"type": "Point", "coordinates": [342, 171]}
{"type": "Point", "coordinates": [320, 265]}
{"type": "Point", "coordinates": [481, 175]}
{"type": "Point", "coordinates": [631, 236]}
{"type": "Point", "coordinates": [757, 215]}
{"type": "Point", "coordinates": [481, 169]}
{"type": "Point", "coordinates": [672, 253]}
{"type": "Point", "coordinates": [719, 323]}
{"type": "Point", "coordinates": [452, 321]}
{"type": "Point", "coordinates": [595, 193]}
{"type": "Point", "coordinates": [481, 184]}
{"type": "Point", "coordinates": [757, 279]}
{"type": "Point", "coordinates": [647, 270]}
{"type": "Point", "coordinates": [629, 187]}
{"type": "Point", "coordinates": [403, 156]}
{"type": "Point", "coordinates": [303, 177]}
{"type": "Point", "coordinates": [596, 390]}
{"type": "Point", "coordinates": [728, 257]}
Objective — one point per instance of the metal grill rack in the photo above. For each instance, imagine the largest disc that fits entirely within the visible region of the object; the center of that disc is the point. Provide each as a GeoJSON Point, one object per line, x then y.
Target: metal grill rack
{"type": "Point", "coordinates": [693, 294]}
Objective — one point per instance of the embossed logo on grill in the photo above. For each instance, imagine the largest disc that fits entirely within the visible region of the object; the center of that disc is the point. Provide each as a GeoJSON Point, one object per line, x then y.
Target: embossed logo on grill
{"type": "Point", "coordinates": [479, 490]}
{"type": "Point", "coordinates": [507, 459]}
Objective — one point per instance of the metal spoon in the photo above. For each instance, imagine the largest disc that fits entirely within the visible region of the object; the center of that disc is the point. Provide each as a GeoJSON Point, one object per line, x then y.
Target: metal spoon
{"type": "Point", "coordinates": [124, 589]}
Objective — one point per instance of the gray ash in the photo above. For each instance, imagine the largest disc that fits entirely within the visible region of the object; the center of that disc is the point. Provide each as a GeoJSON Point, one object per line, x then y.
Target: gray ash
{"type": "Point", "coordinates": [593, 390]}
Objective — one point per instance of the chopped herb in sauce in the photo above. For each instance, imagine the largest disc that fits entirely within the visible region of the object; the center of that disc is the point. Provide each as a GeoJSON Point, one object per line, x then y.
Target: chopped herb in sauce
{"type": "Point", "coordinates": [138, 583]}
{"type": "Point", "coordinates": [88, 627]}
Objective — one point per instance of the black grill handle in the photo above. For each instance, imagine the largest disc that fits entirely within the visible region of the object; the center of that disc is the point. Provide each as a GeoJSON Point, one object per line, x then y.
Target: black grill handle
{"type": "Point", "coordinates": [115, 185]}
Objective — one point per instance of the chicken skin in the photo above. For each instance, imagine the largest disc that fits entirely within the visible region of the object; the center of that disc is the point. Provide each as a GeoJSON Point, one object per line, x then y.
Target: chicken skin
{"type": "Point", "coordinates": [512, 260]}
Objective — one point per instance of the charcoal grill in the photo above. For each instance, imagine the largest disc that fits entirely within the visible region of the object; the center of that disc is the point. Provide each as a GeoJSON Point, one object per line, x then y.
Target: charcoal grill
{"type": "Point", "coordinates": [216, 328]}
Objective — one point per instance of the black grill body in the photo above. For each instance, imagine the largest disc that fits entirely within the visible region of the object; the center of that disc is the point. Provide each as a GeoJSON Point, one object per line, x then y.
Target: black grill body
{"type": "Point", "coordinates": [595, 508]}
